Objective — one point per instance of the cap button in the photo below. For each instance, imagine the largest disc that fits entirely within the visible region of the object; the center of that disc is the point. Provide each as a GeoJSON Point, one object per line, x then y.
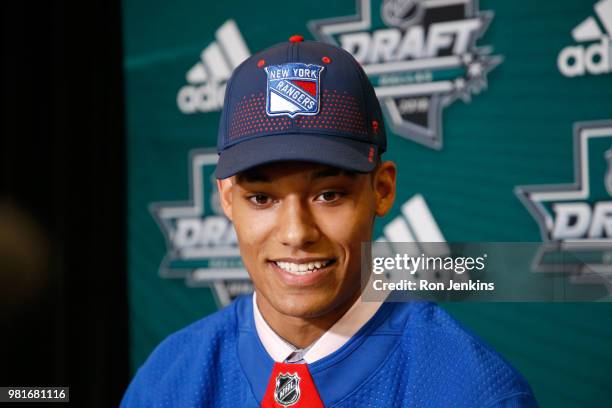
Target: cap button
{"type": "Point", "coordinates": [296, 38]}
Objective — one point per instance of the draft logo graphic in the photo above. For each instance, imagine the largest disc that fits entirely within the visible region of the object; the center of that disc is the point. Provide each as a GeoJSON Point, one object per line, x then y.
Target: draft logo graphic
{"type": "Point", "coordinates": [594, 55]}
{"type": "Point", "coordinates": [420, 55]}
{"type": "Point", "coordinates": [201, 242]}
{"type": "Point", "coordinates": [293, 89]}
{"type": "Point", "coordinates": [575, 219]}
{"type": "Point", "coordinates": [208, 77]}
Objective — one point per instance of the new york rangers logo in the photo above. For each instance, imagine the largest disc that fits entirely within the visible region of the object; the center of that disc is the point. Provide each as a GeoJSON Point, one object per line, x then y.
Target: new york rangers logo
{"type": "Point", "coordinates": [293, 89]}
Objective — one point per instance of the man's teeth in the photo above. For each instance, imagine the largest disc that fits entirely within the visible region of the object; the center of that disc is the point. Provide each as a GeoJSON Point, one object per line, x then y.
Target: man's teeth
{"type": "Point", "coordinates": [302, 268]}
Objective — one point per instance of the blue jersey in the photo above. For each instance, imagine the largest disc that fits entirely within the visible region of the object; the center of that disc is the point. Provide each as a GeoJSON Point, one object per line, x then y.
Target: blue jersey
{"type": "Point", "coordinates": [407, 355]}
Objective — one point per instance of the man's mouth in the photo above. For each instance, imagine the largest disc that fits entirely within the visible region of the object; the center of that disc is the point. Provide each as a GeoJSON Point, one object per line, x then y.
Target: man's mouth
{"type": "Point", "coordinates": [303, 268]}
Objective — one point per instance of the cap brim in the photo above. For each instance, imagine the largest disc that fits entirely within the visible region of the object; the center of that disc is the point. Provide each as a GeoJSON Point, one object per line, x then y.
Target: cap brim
{"type": "Point", "coordinates": [330, 150]}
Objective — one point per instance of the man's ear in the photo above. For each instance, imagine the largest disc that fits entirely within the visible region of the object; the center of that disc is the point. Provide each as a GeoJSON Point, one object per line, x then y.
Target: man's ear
{"type": "Point", "coordinates": [225, 187]}
{"type": "Point", "coordinates": [384, 187]}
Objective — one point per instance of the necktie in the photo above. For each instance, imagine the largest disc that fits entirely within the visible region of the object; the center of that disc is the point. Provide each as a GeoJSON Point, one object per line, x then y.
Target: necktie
{"type": "Point", "coordinates": [297, 357]}
{"type": "Point", "coordinates": [291, 385]}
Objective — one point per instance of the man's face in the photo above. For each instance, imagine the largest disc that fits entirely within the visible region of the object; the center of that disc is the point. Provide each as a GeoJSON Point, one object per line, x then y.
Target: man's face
{"type": "Point", "coordinates": [300, 227]}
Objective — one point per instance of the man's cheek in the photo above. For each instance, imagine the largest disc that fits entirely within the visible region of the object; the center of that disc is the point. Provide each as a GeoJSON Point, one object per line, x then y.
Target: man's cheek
{"type": "Point", "coordinates": [246, 229]}
{"type": "Point", "coordinates": [349, 231]}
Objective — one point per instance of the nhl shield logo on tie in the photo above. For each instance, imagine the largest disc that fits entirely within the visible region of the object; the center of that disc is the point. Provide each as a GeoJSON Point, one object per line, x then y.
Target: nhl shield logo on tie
{"type": "Point", "coordinates": [293, 89]}
{"type": "Point", "coordinates": [287, 391]}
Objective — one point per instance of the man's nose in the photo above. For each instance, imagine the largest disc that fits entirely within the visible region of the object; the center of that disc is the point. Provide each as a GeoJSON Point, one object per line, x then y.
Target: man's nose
{"type": "Point", "coordinates": [296, 225]}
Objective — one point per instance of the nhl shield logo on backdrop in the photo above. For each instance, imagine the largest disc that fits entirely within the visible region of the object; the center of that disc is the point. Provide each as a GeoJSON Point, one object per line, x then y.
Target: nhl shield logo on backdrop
{"type": "Point", "coordinates": [293, 89]}
{"type": "Point", "coordinates": [287, 391]}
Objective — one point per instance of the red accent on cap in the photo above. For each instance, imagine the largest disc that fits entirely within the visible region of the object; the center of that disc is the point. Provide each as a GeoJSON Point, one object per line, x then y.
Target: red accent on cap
{"type": "Point", "coordinates": [371, 155]}
{"type": "Point", "coordinates": [296, 38]}
{"type": "Point", "coordinates": [375, 126]}
{"type": "Point", "coordinates": [261, 63]}
{"type": "Point", "coordinates": [308, 86]}
{"type": "Point", "coordinates": [326, 60]}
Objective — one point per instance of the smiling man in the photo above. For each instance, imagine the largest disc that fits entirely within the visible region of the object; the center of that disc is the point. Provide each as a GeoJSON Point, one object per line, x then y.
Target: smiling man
{"type": "Point", "coordinates": [301, 178]}
{"type": "Point", "coordinates": [300, 226]}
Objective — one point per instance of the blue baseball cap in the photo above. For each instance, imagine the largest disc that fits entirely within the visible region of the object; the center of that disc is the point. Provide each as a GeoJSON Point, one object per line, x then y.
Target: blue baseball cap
{"type": "Point", "coordinates": [300, 100]}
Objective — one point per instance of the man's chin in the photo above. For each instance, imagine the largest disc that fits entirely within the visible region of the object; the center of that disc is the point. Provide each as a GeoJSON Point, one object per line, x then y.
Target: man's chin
{"type": "Point", "coordinates": [303, 307]}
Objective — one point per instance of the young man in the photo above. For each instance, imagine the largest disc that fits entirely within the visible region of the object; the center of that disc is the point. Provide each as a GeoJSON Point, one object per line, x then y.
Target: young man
{"type": "Point", "coordinates": [301, 179]}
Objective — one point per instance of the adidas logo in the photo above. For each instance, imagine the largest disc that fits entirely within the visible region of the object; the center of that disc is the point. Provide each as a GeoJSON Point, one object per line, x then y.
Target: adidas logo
{"type": "Point", "coordinates": [416, 225]}
{"type": "Point", "coordinates": [579, 60]}
{"type": "Point", "coordinates": [207, 79]}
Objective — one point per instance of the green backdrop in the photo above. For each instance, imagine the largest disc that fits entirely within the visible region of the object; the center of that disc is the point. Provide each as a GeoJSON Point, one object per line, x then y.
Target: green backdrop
{"type": "Point", "coordinates": [516, 124]}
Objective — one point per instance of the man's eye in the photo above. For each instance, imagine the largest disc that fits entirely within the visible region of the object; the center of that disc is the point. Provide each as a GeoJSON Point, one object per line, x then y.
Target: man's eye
{"type": "Point", "coordinates": [260, 199]}
{"type": "Point", "coordinates": [329, 196]}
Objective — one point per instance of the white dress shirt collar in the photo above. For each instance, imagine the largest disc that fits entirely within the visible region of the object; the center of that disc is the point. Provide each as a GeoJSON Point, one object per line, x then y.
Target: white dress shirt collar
{"type": "Point", "coordinates": [334, 338]}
